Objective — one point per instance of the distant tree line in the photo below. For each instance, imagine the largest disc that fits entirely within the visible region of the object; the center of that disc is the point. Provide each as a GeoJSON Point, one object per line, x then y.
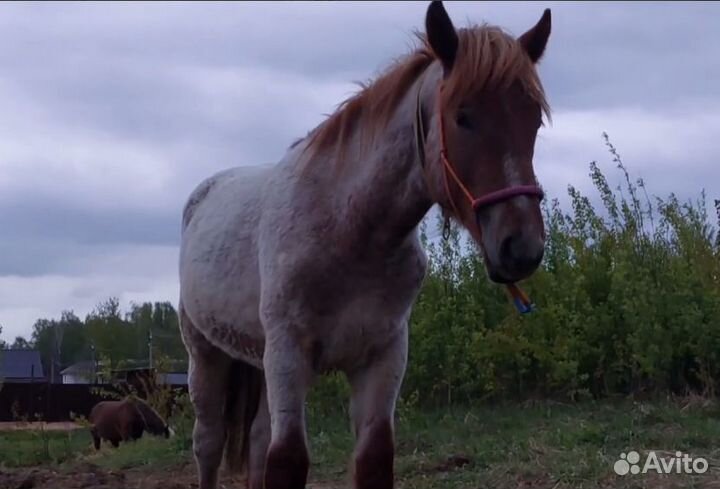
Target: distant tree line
{"type": "Point", "coordinates": [107, 334]}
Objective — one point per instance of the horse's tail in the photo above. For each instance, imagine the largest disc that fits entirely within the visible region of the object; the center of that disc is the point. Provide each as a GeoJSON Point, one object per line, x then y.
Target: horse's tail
{"type": "Point", "coordinates": [243, 399]}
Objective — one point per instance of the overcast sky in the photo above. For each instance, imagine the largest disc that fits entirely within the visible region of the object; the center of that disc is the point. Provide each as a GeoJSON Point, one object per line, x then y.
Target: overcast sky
{"type": "Point", "coordinates": [111, 113]}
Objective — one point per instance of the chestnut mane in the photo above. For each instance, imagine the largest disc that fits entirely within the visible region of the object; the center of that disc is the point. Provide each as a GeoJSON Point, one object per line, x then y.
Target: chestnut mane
{"type": "Point", "coordinates": [487, 58]}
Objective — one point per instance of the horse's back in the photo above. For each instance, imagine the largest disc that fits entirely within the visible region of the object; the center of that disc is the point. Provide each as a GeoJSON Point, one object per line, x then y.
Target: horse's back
{"type": "Point", "coordinates": [99, 410]}
{"type": "Point", "coordinates": [219, 280]}
{"type": "Point", "coordinates": [115, 420]}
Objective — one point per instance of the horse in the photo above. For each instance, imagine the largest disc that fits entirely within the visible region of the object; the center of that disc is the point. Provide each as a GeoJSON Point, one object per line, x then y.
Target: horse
{"type": "Point", "coordinates": [154, 423]}
{"type": "Point", "coordinates": [312, 264]}
{"type": "Point", "coordinates": [125, 420]}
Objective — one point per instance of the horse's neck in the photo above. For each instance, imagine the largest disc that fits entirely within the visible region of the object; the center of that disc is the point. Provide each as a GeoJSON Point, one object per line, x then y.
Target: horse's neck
{"type": "Point", "coordinates": [384, 192]}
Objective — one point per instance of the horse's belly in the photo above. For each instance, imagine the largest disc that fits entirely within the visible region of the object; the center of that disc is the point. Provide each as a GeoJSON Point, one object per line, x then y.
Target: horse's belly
{"type": "Point", "coordinates": [224, 308]}
{"type": "Point", "coordinates": [219, 281]}
{"type": "Point", "coordinates": [235, 331]}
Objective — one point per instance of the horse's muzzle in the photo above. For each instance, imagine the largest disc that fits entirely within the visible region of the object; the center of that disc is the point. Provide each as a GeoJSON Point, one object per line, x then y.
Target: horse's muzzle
{"type": "Point", "coordinates": [519, 256]}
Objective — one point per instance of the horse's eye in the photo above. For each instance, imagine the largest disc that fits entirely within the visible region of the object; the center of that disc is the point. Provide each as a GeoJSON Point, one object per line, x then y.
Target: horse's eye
{"type": "Point", "coordinates": [462, 119]}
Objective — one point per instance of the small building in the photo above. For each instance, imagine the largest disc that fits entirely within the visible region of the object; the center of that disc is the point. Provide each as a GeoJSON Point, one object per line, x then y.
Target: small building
{"type": "Point", "coordinates": [21, 366]}
{"type": "Point", "coordinates": [173, 378]}
{"type": "Point", "coordinates": [134, 372]}
{"type": "Point", "coordinates": [80, 373]}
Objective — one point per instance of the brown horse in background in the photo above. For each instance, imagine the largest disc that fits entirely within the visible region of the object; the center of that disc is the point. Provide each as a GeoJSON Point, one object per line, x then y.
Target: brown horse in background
{"type": "Point", "coordinates": [125, 420]}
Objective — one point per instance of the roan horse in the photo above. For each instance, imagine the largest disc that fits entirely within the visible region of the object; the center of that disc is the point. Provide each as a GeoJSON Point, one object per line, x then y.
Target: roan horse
{"type": "Point", "coordinates": [125, 420]}
{"type": "Point", "coordinates": [313, 264]}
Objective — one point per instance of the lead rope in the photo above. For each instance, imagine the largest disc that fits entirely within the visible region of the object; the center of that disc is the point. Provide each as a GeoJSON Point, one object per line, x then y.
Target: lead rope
{"type": "Point", "coordinates": [520, 299]}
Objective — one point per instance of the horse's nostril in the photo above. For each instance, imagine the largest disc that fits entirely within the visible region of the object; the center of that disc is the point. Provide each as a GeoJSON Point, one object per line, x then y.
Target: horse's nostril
{"type": "Point", "coordinates": [520, 254]}
{"type": "Point", "coordinates": [535, 258]}
{"type": "Point", "coordinates": [511, 249]}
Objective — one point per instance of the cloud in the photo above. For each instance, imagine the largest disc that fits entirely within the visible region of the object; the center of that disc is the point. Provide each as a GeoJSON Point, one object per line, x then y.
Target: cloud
{"type": "Point", "coordinates": [113, 112]}
{"type": "Point", "coordinates": [130, 273]}
{"type": "Point", "coordinates": [670, 150]}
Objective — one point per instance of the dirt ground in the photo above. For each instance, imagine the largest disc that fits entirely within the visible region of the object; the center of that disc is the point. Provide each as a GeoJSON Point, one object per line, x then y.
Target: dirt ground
{"type": "Point", "coordinates": [91, 476]}
{"type": "Point", "coordinates": [88, 476]}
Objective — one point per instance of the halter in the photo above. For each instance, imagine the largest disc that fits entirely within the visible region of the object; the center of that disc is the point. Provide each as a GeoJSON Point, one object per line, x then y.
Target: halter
{"type": "Point", "coordinates": [520, 299]}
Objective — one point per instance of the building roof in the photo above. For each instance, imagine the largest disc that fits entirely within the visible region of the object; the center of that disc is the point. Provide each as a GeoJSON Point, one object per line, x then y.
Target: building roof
{"type": "Point", "coordinates": [20, 364]}
{"type": "Point", "coordinates": [80, 368]}
{"type": "Point", "coordinates": [88, 367]}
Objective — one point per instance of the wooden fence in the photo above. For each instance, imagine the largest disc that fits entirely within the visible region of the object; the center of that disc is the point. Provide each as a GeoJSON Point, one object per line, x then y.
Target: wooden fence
{"type": "Point", "coordinates": [52, 402]}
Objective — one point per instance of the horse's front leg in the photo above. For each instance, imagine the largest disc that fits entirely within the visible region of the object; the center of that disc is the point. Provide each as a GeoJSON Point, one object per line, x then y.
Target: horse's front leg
{"type": "Point", "coordinates": [259, 442]}
{"type": "Point", "coordinates": [375, 390]}
{"type": "Point", "coordinates": [96, 437]}
{"type": "Point", "coordinates": [288, 373]}
{"type": "Point", "coordinates": [207, 386]}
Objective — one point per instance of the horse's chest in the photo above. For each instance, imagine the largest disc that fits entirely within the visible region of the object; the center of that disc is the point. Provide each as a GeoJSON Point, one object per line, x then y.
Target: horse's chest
{"type": "Point", "coordinates": [381, 286]}
{"type": "Point", "coordinates": [371, 315]}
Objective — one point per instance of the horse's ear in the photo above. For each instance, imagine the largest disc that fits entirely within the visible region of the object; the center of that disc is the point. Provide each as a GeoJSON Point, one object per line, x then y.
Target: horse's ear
{"type": "Point", "coordinates": [535, 40]}
{"type": "Point", "coordinates": [441, 34]}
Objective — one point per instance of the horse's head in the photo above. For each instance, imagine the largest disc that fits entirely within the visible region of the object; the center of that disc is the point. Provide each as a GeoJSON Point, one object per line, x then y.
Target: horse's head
{"type": "Point", "coordinates": [490, 104]}
{"type": "Point", "coordinates": [154, 423]}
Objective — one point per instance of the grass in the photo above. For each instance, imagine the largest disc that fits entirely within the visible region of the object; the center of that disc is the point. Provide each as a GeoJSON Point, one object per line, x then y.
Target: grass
{"type": "Point", "coordinates": [151, 452]}
{"type": "Point", "coordinates": [533, 445]}
{"type": "Point", "coordinates": [545, 445]}
{"type": "Point", "coordinates": [30, 448]}
{"type": "Point", "coordinates": [64, 449]}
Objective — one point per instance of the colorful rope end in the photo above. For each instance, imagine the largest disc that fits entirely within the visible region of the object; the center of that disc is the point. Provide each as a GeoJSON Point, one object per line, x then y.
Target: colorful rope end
{"type": "Point", "coordinates": [521, 300]}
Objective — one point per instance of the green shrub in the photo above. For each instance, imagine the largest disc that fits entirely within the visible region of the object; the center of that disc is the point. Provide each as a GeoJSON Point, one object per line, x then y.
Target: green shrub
{"type": "Point", "coordinates": [628, 301]}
